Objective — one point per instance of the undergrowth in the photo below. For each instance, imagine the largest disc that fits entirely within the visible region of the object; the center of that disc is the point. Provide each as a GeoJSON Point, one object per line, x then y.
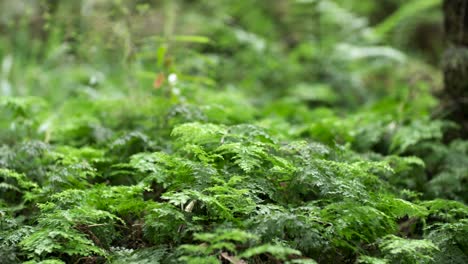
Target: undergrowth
{"type": "Point", "coordinates": [210, 160]}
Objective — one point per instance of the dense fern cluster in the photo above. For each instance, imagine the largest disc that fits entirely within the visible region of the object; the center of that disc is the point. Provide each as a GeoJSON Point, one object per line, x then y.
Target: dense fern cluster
{"type": "Point", "coordinates": [198, 190]}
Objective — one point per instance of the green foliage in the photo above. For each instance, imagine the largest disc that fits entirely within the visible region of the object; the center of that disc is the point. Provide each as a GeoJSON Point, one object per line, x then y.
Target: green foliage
{"type": "Point", "coordinates": [13, 231]}
{"type": "Point", "coordinates": [402, 250]}
{"type": "Point", "coordinates": [406, 11]}
{"type": "Point", "coordinates": [142, 256]}
{"type": "Point", "coordinates": [452, 172]}
{"type": "Point", "coordinates": [224, 242]}
{"type": "Point", "coordinates": [21, 117]}
{"type": "Point", "coordinates": [13, 184]}
{"type": "Point", "coordinates": [415, 133]}
{"type": "Point", "coordinates": [224, 132]}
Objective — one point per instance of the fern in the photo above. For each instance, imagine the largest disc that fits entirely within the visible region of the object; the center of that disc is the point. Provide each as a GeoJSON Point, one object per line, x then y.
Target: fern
{"type": "Point", "coordinates": [21, 117]}
{"type": "Point", "coordinates": [46, 241]}
{"type": "Point", "coordinates": [221, 202]}
{"type": "Point", "coordinates": [80, 223]}
{"type": "Point", "coordinates": [303, 227]}
{"type": "Point", "coordinates": [202, 134]}
{"type": "Point", "coordinates": [48, 261]}
{"type": "Point", "coordinates": [352, 225]}
{"type": "Point", "coordinates": [416, 132]}
{"type": "Point", "coordinates": [453, 172]}
{"type": "Point", "coordinates": [371, 260]}
{"type": "Point", "coordinates": [130, 144]}
{"type": "Point", "coordinates": [408, 251]}
{"type": "Point", "coordinates": [15, 188]}
{"type": "Point", "coordinates": [143, 256]}
{"type": "Point", "coordinates": [222, 241]}
{"type": "Point", "coordinates": [279, 252]}
{"type": "Point", "coordinates": [246, 157]}
{"type": "Point", "coordinates": [11, 233]}
{"type": "Point", "coordinates": [164, 223]}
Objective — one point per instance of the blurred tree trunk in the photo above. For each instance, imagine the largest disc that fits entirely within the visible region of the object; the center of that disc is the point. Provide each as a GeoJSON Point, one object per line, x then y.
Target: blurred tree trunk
{"type": "Point", "coordinates": [455, 62]}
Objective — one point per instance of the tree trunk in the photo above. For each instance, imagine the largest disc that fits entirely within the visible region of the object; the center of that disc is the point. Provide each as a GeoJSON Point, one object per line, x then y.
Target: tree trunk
{"type": "Point", "coordinates": [455, 62]}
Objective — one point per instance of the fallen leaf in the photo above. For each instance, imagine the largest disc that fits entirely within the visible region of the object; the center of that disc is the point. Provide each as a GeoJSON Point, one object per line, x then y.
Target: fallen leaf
{"type": "Point", "coordinates": [232, 259]}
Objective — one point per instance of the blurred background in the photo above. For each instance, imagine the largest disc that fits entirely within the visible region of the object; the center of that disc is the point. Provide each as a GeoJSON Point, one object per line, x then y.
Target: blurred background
{"type": "Point", "coordinates": [334, 52]}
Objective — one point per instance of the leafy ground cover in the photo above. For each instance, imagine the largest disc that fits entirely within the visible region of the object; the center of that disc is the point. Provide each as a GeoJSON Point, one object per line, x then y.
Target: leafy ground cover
{"type": "Point", "coordinates": [242, 137]}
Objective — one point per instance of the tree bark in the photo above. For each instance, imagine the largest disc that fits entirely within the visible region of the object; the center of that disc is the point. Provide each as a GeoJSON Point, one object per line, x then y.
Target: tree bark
{"type": "Point", "coordinates": [455, 62]}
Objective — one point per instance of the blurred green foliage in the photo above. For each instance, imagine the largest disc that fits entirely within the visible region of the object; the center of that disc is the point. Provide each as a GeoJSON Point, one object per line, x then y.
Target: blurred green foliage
{"type": "Point", "coordinates": [196, 131]}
